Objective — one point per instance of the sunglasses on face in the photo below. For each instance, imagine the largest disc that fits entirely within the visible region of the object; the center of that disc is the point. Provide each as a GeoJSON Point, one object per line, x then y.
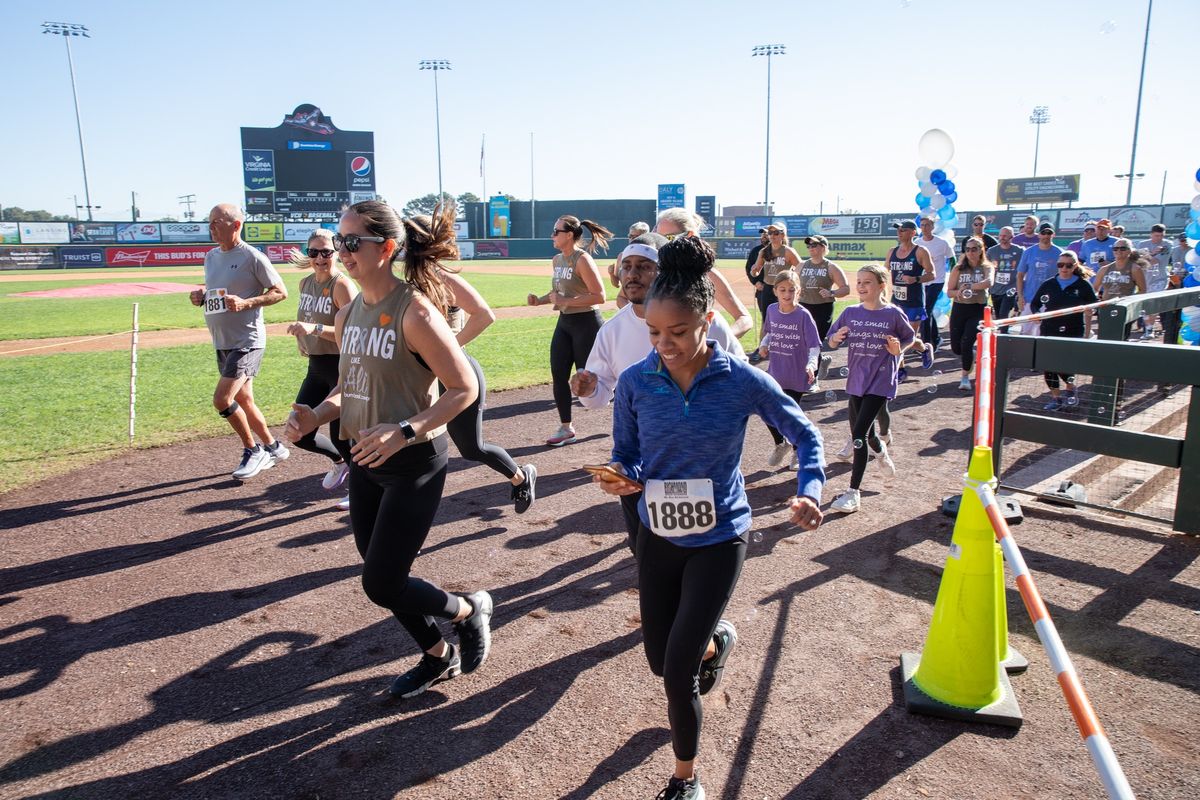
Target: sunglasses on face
{"type": "Point", "coordinates": [1120, 248]}
{"type": "Point", "coordinates": [557, 231]}
{"type": "Point", "coordinates": [776, 233]}
{"type": "Point", "coordinates": [324, 252]}
{"type": "Point", "coordinates": [352, 241]}
{"type": "Point", "coordinates": [1065, 265]}
{"type": "Point", "coordinates": [973, 249]}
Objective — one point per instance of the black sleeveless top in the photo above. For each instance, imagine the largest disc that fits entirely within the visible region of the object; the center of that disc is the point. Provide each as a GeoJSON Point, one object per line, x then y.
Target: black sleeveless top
{"type": "Point", "coordinates": [908, 295]}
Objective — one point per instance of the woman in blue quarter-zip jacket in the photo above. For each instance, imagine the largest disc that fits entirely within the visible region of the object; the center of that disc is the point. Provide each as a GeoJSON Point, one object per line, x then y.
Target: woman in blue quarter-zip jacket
{"type": "Point", "coordinates": [679, 421]}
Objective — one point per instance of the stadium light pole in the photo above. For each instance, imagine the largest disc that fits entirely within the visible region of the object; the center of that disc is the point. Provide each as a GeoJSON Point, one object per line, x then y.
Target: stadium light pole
{"type": "Point", "coordinates": [768, 50]}
{"type": "Point", "coordinates": [1137, 114]}
{"type": "Point", "coordinates": [1039, 117]}
{"type": "Point", "coordinates": [437, 65]}
{"type": "Point", "coordinates": [66, 30]}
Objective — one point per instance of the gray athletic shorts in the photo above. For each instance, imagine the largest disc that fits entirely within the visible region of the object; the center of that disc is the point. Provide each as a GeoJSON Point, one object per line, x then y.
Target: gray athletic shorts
{"type": "Point", "coordinates": [240, 363]}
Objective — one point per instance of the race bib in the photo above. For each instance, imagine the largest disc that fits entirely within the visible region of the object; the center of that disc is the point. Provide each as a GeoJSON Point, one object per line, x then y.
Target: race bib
{"type": "Point", "coordinates": [681, 507]}
{"type": "Point", "coordinates": [214, 301]}
{"type": "Point", "coordinates": [899, 292]}
{"type": "Point", "coordinates": [1002, 278]}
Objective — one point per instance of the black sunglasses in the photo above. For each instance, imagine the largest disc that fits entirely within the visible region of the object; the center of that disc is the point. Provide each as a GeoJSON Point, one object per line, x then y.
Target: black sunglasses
{"type": "Point", "coordinates": [557, 231]}
{"type": "Point", "coordinates": [973, 249]}
{"type": "Point", "coordinates": [1067, 264]}
{"type": "Point", "coordinates": [313, 252]}
{"type": "Point", "coordinates": [1120, 248]}
{"type": "Point", "coordinates": [352, 241]}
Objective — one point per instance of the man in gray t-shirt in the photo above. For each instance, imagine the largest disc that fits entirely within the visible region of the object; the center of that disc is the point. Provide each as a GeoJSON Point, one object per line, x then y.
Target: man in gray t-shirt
{"type": "Point", "coordinates": [238, 282]}
{"type": "Point", "coordinates": [1006, 256]}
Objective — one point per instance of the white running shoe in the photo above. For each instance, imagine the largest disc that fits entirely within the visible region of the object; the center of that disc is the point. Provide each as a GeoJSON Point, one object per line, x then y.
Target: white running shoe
{"type": "Point", "coordinates": [335, 477]}
{"type": "Point", "coordinates": [965, 384]}
{"type": "Point", "coordinates": [277, 453]}
{"type": "Point", "coordinates": [847, 450]}
{"type": "Point", "coordinates": [343, 504]}
{"type": "Point", "coordinates": [886, 438]}
{"type": "Point", "coordinates": [253, 462]}
{"type": "Point", "coordinates": [847, 503]}
{"type": "Point", "coordinates": [795, 462]}
{"type": "Point", "coordinates": [884, 460]}
{"type": "Point", "coordinates": [563, 435]}
{"type": "Point", "coordinates": [779, 454]}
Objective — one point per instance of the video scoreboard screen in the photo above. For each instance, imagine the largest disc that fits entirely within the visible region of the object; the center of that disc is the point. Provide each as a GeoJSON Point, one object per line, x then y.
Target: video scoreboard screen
{"type": "Point", "coordinates": [306, 169]}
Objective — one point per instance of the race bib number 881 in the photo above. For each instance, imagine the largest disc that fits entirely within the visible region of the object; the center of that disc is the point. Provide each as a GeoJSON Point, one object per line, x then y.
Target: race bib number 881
{"type": "Point", "coordinates": [681, 507]}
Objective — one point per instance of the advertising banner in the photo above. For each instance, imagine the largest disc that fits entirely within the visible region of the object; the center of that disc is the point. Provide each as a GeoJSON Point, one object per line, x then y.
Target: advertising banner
{"type": "Point", "coordinates": [260, 202]}
{"type": "Point", "coordinates": [160, 256]}
{"type": "Point", "coordinates": [258, 170]}
{"type": "Point", "coordinates": [489, 249]}
{"type": "Point", "coordinates": [45, 232]}
{"type": "Point", "coordinates": [860, 225]}
{"type": "Point", "coordinates": [461, 230]}
{"type": "Point", "coordinates": [360, 172]}
{"type": "Point", "coordinates": [858, 249]}
{"type": "Point", "coordinates": [1070, 220]}
{"type": "Point", "coordinates": [278, 253]}
{"type": "Point", "coordinates": [94, 232]}
{"type": "Point", "coordinates": [499, 210]}
{"type": "Point", "coordinates": [1046, 189]}
{"type": "Point", "coordinates": [748, 226]}
{"type": "Point", "coordinates": [1137, 219]}
{"type": "Point", "coordinates": [298, 231]}
{"type": "Point", "coordinates": [138, 232]}
{"type": "Point", "coordinates": [706, 208]}
{"type": "Point", "coordinates": [1175, 216]}
{"type": "Point", "coordinates": [466, 250]}
{"type": "Point", "coordinates": [797, 227]}
{"type": "Point", "coordinates": [185, 232]}
{"type": "Point", "coordinates": [10, 233]}
{"type": "Point", "coordinates": [670, 195]}
{"type": "Point", "coordinates": [27, 258]}
{"type": "Point", "coordinates": [736, 248]}
{"type": "Point", "coordinates": [262, 231]}
{"type": "Point", "coordinates": [80, 257]}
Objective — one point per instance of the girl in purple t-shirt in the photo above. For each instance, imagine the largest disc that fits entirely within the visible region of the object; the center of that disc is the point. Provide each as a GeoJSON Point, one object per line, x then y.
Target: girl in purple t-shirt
{"type": "Point", "coordinates": [791, 339]}
{"type": "Point", "coordinates": [877, 333]}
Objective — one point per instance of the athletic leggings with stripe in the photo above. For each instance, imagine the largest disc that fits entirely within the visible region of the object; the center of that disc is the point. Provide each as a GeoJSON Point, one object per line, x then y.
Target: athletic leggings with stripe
{"type": "Point", "coordinates": [322, 376]}
{"type": "Point", "coordinates": [391, 511]}
{"type": "Point", "coordinates": [683, 592]}
{"type": "Point", "coordinates": [863, 411]}
{"type": "Point", "coordinates": [466, 431]}
{"type": "Point", "coordinates": [571, 344]}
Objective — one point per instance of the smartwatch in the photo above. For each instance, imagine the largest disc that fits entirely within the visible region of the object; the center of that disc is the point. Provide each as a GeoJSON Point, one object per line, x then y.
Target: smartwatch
{"type": "Point", "coordinates": [318, 329]}
{"type": "Point", "coordinates": [407, 430]}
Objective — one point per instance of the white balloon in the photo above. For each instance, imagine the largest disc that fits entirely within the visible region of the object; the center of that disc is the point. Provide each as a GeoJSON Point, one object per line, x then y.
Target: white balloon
{"type": "Point", "coordinates": [929, 190]}
{"type": "Point", "coordinates": [936, 147]}
{"type": "Point", "coordinates": [1196, 184]}
{"type": "Point", "coordinates": [928, 211]}
{"type": "Point", "coordinates": [922, 174]}
{"type": "Point", "coordinates": [1192, 257]}
{"type": "Point", "coordinates": [937, 201]}
{"type": "Point", "coordinates": [1195, 200]}
{"type": "Point", "coordinates": [951, 171]}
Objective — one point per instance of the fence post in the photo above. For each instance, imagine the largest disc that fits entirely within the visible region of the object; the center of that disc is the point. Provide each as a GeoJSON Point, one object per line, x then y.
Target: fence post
{"type": "Point", "coordinates": [133, 345]}
{"type": "Point", "coordinates": [1187, 499]}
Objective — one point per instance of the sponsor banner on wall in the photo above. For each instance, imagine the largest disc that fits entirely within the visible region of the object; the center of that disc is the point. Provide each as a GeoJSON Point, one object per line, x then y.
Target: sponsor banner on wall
{"type": "Point", "coordinates": [138, 232]}
{"type": "Point", "coordinates": [258, 170]}
{"type": "Point", "coordinates": [299, 231]}
{"type": "Point", "coordinates": [736, 248]}
{"type": "Point", "coordinates": [858, 225]}
{"type": "Point", "coordinates": [462, 230]}
{"type": "Point", "coordinates": [160, 256]}
{"type": "Point", "coordinates": [1176, 217]}
{"type": "Point", "coordinates": [466, 250]}
{"type": "Point", "coordinates": [80, 257]}
{"type": "Point", "coordinates": [498, 210]}
{"type": "Point", "coordinates": [1136, 219]}
{"type": "Point", "coordinates": [1046, 189]}
{"type": "Point", "coordinates": [748, 226]}
{"type": "Point", "coordinates": [45, 232]}
{"type": "Point", "coordinates": [797, 227]}
{"type": "Point", "coordinates": [1071, 220]}
{"type": "Point", "coordinates": [260, 202]}
{"type": "Point", "coordinates": [490, 249]}
{"type": "Point", "coordinates": [10, 233]}
{"type": "Point", "coordinates": [94, 232]}
{"type": "Point", "coordinates": [706, 209]}
{"type": "Point", "coordinates": [360, 172]}
{"type": "Point", "coordinates": [278, 253]}
{"type": "Point", "coordinates": [670, 195]}
{"type": "Point", "coordinates": [27, 258]}
{"type": "Point", "coordinates": [262, 231]}
{"type": "Point", "coordinates": [859, 249]}
{"type": "Point", "coordinates": [185, 232]}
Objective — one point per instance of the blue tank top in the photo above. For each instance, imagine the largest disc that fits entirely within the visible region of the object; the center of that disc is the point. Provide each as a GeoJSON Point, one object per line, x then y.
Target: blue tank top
{"type": "Point", "coordinates": [909, 295]}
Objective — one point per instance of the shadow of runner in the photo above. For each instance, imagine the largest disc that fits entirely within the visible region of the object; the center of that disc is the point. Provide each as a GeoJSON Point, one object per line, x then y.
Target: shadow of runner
{"type": "Point", "coordinates": [65, 509]}
{"type": "Point", "coordinates": [633, 753]}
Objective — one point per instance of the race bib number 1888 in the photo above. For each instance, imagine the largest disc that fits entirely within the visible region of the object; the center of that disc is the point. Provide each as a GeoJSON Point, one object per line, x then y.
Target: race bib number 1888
{"type": "Point", "coordinates": [681, 507]}
{"type": "Point", "coordinates": [214, 301]}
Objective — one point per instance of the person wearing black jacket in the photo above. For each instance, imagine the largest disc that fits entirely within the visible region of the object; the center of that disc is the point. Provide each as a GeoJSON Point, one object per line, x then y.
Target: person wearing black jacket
{"type": "Point", "coordinates": [756, 282]}
{"type": "Point", "coordinates": [1070, 287]}
{"type": "Point", "coordinates": [977, 224]}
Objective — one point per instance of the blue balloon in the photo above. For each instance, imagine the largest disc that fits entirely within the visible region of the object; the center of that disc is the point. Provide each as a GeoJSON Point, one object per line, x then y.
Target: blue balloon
{"type": "Point", "coordinates": [950, 198]}
{"type": "Point", "coordinates": [1194, 213]}
{"type": "Point", "coordinates": [939, 175]}
{"type": "Point", "coordinates": [947, 213]}
{"type": "Point", "coordinates": [946, 187]}
{"type": "Point", "coordinates": [1197, 171]}
{"type": "Point", "coordinates": [1193, 229]}
{"type": "Point", "coordinates": [922, 200]}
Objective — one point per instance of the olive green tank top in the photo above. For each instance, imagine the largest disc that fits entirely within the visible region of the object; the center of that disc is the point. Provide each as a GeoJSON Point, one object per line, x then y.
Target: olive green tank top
{"type": "Point", "coordinates": [568, 282]}
{"type": "Point", "coordinates": [316, 306]}
{"type": "Point", "coordinates": [773, 264]}
{"type": "Point", "coordinates": [1118, 282]}
{"type": "Point", "coordinates": [382, 380]}
{"type": "Point", "coordinates": [814, 278]}
{"type": "Point", "coordinates": [968, 276]}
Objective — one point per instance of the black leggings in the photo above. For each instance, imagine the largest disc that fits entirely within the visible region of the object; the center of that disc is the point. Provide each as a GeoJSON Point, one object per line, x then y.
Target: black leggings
{"type": "Point", "coordinates": [1172, 321]}
{"type": "Point", "coordinates": [683, 592]}
{"type": "Point", "coordinates": [571, 345]}
{"type": "Point", "coordinates": [822, 314]}
{"type": "Point", "coordinates": [765, 297]}
{"type": "Point", "coordinates": [1052, 379]}
{"type": "Point", "coordinates": [884, 419]}
{"type": "Point", "coordinates": [862, 432]}
{"type": "Point", "coordinates": [775, 434]}
{"type": "Point", "coordinates": [466, 431]}
{"type": "Point", "coordinates": [320, 379]}
{"type": "Point", "coordinates": [391, 511]}
{"type": "Point", "coordinates": [1003, 305]}
{"type": "Point", "coordinates": [964, 327]}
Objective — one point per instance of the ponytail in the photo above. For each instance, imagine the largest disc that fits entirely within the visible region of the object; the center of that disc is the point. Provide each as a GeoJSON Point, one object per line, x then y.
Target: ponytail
{"type": "Point", "coordinates": [600, 234]}
{"type": "Point", "coordinates": [428, 241]}
{"type": "Point", "coordinates": [683, 267]}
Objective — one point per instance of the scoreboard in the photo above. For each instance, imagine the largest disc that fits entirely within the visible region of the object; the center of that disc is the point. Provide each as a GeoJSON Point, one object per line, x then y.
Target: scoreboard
{"type": "Point", "coordinates": [306, 168]}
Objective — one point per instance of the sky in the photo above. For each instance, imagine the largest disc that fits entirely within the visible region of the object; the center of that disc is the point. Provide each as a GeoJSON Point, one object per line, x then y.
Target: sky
{"type": "Point", "coordinates": [618, 96]}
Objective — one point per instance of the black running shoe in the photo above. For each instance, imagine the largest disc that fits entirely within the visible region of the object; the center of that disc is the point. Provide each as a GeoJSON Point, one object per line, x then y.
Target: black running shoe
{"type": "Point", "coordinates": [475, 632]}
{"type": "Point", "coordinates": [682, 790]}
{"type": "Point", "coordinates": [428, 671]}
{"type": "Point", "coordinates": [524, 494]}
{"type": "Point", "coordinates": [711, 669]}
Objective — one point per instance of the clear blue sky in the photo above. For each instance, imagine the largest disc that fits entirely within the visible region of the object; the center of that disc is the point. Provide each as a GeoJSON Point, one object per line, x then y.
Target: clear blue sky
{"type": "Point", "coordinates": [620, 96]}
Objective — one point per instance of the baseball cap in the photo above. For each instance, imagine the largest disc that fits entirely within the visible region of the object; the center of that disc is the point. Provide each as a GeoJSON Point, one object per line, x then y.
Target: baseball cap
{"type": "Point", "coordinates": [1106, 222]}
{"type": "Point", "coordinates": [904, 225]}
{"type": "Point", "coordinates": [762, 230]}
{"type": "Point", "coordinates": [1090, 225]}
{"type": "Point", "coordinates": [818, 239]}
{"type": "Point", "coordinates": [1045, 227]}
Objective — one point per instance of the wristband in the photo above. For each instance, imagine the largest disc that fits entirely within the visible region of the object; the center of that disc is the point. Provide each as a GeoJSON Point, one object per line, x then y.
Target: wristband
{"type": "Point", "coordinates": [407, 430]}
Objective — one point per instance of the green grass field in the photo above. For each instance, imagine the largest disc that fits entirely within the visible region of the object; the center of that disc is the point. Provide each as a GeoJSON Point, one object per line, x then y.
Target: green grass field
{"type": "Point", "coordinates": [71, 410]}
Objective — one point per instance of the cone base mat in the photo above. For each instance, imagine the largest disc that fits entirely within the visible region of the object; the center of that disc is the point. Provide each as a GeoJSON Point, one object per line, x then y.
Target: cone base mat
{"type": "Point", "coordinates": [1005, 711]}
{"type": "Point", "coordinates": [1016, 663]}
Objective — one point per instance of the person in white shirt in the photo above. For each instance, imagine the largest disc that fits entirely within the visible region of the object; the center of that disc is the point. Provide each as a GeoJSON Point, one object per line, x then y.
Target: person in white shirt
{"type": "Point", "coordinates": [941, 253]}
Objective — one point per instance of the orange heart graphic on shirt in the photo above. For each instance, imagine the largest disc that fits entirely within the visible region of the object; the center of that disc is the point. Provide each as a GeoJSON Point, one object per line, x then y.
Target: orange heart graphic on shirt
{"type": "Point", "coordinates": [385, 319]}
{"type": "Point", "coordinates": [325, 292]}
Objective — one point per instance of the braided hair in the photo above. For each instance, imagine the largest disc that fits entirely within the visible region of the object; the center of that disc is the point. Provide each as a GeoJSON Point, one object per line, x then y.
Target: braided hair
{"type": "Point", "coordinates": [683, 266]}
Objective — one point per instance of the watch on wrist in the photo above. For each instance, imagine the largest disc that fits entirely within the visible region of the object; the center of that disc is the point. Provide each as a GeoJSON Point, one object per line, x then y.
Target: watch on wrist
{"type": "Point", "coordinates": [318, 329]}
{"type": "Point", "coordinates": [407, 430]}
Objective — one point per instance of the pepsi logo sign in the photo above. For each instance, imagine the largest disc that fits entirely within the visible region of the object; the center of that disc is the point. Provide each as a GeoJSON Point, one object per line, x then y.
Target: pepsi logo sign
{"type": "Point", "coordinates": [360, 166]}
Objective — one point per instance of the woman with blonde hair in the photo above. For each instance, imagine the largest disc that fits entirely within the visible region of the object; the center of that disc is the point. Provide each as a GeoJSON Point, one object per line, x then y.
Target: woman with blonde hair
{"type": "Point", "coordinates": [773, 259]}
{"type": "Point", "coordinates": [679, 222]}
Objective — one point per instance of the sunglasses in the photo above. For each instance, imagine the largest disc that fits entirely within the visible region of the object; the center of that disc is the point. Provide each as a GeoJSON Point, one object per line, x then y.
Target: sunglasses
{"type": "Point", "coordinates": [776, 233]}
{"type": "Point", "coordinates": [1045, 233]}
{"type": "Point", "coordinates": [973, 249]}
{"type": "Point", "coordinates": [1120, 248]}
{"type": "Point", "coordinates": [324, 252]}
{"type": "Point", "coordinates": [352, 241]}
{"type": "Point", "coordinates": [1066, 265]}
{"type": "Point", "coordinates": [977, 223]}
{"type": "Point", "coordinates": [557, 231]}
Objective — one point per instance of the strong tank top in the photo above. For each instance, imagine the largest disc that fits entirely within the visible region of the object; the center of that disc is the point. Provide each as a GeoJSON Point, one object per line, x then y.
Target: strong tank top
{"type": "Point", "coordinates": [316, 306]}
{"type": "Point", "coordinates": [1118, 283]}
{"type": "Point", "coordinates": [905, 294]}
{"type": "Point", "coordinates": [568, 282]}
{"type": "Point", "coordinates": [814, 278]}
{"type": "Point", "coordinates": [968, 276]}
{"type": "Point", "coordinates": [382, 380]}
{"type": "Point", "coordinates": [773, 264]}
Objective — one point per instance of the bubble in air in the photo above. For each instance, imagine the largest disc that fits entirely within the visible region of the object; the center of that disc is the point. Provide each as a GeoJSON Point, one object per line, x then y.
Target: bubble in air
{"type": "Point", "coordinates": [1072, 400]}
{"type": "Point", "coordinates": [844, 372]}
{"type": "Point", "coordinates": [858, 444]}
{"type": "Point", "coordinates": [756, 537]}
{"type": "Point", "coordinates": [1044, 299]}
{"type": "Point", "coordinates": [966, 294]}
{"type": "Point", "coordinates": [831, 396]}
{"type": "Point", "coordinates": [931, 388]}
{"type": "Point", "coordinates": [937, 372]}
{"type": "Point", "coordinates": [1012, 292]}
{"type": "Point", "coordinates": [1108, 26]}
{"type": "Point", "coordinates": [751, 615]}
{"type": "Point", "coordinates": [1101, 410]}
